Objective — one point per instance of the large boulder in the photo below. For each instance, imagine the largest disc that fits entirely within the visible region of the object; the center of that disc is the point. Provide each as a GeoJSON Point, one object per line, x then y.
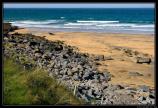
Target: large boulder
{"type": "Point", "coordinates": [141, 60]}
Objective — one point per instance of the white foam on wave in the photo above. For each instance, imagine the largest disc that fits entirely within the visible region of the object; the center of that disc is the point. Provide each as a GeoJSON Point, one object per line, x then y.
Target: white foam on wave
{"type": "Point", "coordinates": [147, 25]}
{"type": "Point", "coordinates": [126, 25]}
{"type": "Point", "coordinates": [73, 24]}
{"type": "Point", "coordinates": [42, 26]}
{"type": "Point", "coordinates": [62, 17]}
{"type": "Point", "coordinates": [116, 25]}
{"type": "Point", "coordinates": [36, 22]}
{"type": "Point", "coordinates": [85, 25]}
{"type": "Point", "coordinates": [94, 21]}
{"type": "Point", "coordinates": [135, 29]}
{"type": "Point", "coordinates": [70, 27]}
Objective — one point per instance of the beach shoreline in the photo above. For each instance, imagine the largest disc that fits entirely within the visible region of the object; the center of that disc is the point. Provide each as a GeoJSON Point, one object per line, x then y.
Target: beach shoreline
{"type": "Point", "coordinates": [103, 44]}
{"type": "Point", "coordinates": [68, 30]}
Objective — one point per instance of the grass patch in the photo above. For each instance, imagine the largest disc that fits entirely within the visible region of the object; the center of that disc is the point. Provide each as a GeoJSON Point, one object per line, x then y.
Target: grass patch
{"type": "Point", "coordinates": [14, 88]}
{"type": "Point", "coordinates": [25, 87]}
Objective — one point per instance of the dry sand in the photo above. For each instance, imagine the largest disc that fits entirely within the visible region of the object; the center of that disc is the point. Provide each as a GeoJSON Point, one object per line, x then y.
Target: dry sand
{"type": "Point", "coordinates": [102, 43]}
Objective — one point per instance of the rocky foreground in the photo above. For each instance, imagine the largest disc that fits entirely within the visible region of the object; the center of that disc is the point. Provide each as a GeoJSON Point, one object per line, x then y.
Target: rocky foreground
{"type": "Point", "coordinates": [77, 71]}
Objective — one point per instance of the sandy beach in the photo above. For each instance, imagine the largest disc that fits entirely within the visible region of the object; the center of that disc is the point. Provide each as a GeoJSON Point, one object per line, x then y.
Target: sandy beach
{"type": "Point", "coordinates": [103, 44]}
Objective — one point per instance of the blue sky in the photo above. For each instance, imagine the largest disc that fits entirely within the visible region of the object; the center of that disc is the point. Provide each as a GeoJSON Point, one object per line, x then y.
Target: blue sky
{"type": "Point", "coordinates": [78, 5]}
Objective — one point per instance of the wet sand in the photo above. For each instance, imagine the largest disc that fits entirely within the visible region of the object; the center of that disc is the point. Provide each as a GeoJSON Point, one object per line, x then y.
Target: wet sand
{"type": "Point", "coordinates": [102, 44]}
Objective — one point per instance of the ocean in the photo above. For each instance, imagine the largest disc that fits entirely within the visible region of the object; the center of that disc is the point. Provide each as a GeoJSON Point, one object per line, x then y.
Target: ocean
{"type": "Point", "coordinates": [111, 20]}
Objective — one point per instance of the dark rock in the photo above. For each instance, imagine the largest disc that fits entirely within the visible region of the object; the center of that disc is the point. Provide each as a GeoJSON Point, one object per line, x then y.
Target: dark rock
{"type": "Point", "coordinates": [59, 48]}
{"type": "Point", "coordinates": [33, 43]}
{"type": "Point", "coordinates": [51, 33]}
{"type": "Point", "coordinates": [142, 98]}
{"type": "Point", "coordinates": [152, 94]}
{"type": "Point", "coordinates": [120, 86]}
{"type": "Point", "coordinates": [80, 88]}
{"type": "Point", "coordinates": [129, 52]}
{"type": "Point", "coordinates": [87, 75]}
{"type": "Point", "coordinates": [65, 56]}
{"type": "Point", "coordinates": [141, 60]}
{"type": "Point", "coordinates": [97, 63]}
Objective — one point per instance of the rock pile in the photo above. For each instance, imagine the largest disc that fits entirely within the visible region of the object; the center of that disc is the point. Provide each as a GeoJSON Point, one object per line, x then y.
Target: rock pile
{"type": "Point", "coordinates": [57, 58]}
{"type": "Point", "coordinates": [77, 71]}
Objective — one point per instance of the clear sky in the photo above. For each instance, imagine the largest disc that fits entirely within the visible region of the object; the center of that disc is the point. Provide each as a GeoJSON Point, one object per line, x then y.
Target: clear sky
{"type": "Point", "coordinates": [78, 5]}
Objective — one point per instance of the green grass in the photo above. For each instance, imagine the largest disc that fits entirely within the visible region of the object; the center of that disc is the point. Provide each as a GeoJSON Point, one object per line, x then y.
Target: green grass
{"type": "Point", "coordinates": [14, 88]}
{"type": "Point", "coordinates": [25, 87]}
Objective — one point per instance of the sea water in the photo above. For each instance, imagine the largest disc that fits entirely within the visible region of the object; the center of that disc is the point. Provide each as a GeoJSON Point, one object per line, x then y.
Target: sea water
{"type": "Point", "coordinates": [111, 20]}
